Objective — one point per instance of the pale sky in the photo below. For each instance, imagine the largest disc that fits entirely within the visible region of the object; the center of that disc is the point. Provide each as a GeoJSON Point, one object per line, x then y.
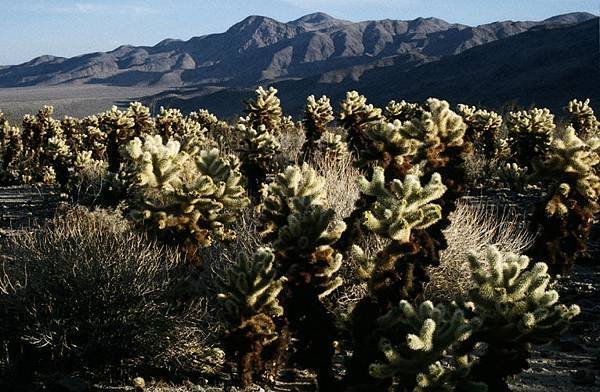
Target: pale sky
{"type": "Point", "coordinates": [30, 28]}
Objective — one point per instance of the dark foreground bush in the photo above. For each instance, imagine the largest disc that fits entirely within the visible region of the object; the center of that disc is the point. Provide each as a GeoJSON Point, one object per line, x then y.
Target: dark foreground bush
{"type": "Point", "coordinates": [85, 291]}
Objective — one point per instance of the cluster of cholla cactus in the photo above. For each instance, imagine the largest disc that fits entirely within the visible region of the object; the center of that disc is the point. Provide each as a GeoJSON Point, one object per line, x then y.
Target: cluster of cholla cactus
{"type": "Point", "coordinates": [356, 116]}
{"type": "Point", "coordinates": [483, 129]}
{"type": "Point", "coordinates": [196, 194]}
{"type": "Point", "coordinates": [179, 177]}
{"type": "Point", "coordinates": [249, 292]}
{"type": "Point", "coordinates": [38, 152]}
{"type": "Point", "coordinates": [529, 135]}
{"type": "Point", "coordinates": [11, 147]}
{"type": "Point", "coordinates": [259, 130]}
{"type": "Point", "coordinates": [433, 348]}
{"type": "Point", "coordinates": [317, 116]}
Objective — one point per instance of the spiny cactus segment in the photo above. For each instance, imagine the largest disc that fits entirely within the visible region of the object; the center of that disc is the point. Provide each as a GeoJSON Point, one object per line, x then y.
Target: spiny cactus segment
{"type": "Point", "coordinates": [249, 292]}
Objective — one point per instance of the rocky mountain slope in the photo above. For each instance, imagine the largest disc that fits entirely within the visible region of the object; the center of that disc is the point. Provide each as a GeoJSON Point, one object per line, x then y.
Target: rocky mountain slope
{"type": "Point", "coordinates": [546, 66]}
{"type": "Point", "coordinates": [260, 50]}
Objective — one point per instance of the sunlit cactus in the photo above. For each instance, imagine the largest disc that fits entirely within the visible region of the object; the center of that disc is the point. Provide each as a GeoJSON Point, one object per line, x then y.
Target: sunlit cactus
{"type": "Point", "coordinates": [513, 176]}
{"type": "Point", "coordinates": [258, 147]}
{"type": "Point", "coordinates": [265, 109]}
{"type": "Point", "coordinates": [565, 217]}
{"type": "Point", "coordinates": [296, 185]}
{"type": "Point", "coordinates": [317, 115]}
{"type": "Point", "coordinates": [74, 133]}
{"type": "Point", "coordinates": [529, 135]}
{"type": "Point", "coordinates": [304, 246]}
{"type": "Point", "coordinates": [483, 128]}
{"type": "Point", "coordinates": [438, 129]}
{"type": "Point", "coordinates": [583, 119]}
{"type": "Point", "coordinates": [142, 118]}
{"type": "Point", "coordinates": [401, 111]}
{"type": "Point", "coordinates": [401, 206]}
{"type": "Point", "coordinates": [389, 148]}
{"type": "Point", "coordinates": [45, 157]}
{"type": "Point", "coordinates": [332, 145]}
{"type": "Point", "coordinates": [119, 129]}
{"type": "Point", "coordinates": [306, 257]}
{"type": "Point", "coordinates": [249, 292]}
{"type": "Point", "coordinates": [196, 196]}
{"type": "Point", "coordinates": [401, 211]}
{"type": "Point", "coordinates": [356, 114]}
{"type": "Point", "coordinates": [415, 341]}
{"type": "Point", "coordinates": [516, 309]}
{"type": "Point", "coordinates": [204, 118]}
{"type": "Point", "coordinates": [11, 148]}
{"type": "Point", "coordinates": [169, 122]}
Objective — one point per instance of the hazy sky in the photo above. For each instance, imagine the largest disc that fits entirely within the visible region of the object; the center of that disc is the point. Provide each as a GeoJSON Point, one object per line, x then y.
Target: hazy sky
{"type": "Point", "coordinates": [29, 28]}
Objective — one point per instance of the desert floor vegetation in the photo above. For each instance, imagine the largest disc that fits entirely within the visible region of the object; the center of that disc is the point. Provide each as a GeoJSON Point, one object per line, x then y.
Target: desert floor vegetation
{"type": "Point", "coordinates": [343, 251]}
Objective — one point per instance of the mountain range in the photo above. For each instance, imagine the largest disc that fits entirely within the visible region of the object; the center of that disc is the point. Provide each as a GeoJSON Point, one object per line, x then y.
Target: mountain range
{"type": "Point", "coordinates": [318, 54]}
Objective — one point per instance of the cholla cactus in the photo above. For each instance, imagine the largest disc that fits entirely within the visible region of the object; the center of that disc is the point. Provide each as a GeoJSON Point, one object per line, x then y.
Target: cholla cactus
{"type": "Point", "coordinates": [204, 118]}
{"type": "Point", "coordinates": [530, 135]}
{"type": "Point", "coordinates": [513, 176]}
{"type": "Point", "coordinates": [304, 248]}
{"type": "Point", "coordinates": [401, 211]}
{"type": "Point", "coordinates": [171, 189]}
{"type": "Point", "coordinates": [258, 148]}
{"type": "Point", "coordinates": [297, 185]}
{"type": "Point", "coordinates": [583, 119]}
{"type": "Point", "coordinates": [401, 111]}
{"type": "Point", "coordinates": [331, 145]}
{"type": "Point", "coordinates": [73, 132]}
{"type": "Point", "coordinates": [265, 109]}
{"type": "Point", "coordinates": [11, 148]}
{"type": "Point", "coordinates": [355, 117]}
{"type": "Point", "coordinates": [438, 129]}
{"type": "Point", "coordinates": [119, 129]}
{"type": "Point", "coordinates": [142, 118]}
{"type": "Point", "coordinates": [389, 147]}
{"type": "Point", "coordinates": [317, 115]}
{"type": "Point", "coordinates": [573, 184]}
{"type": "Point", "coordinates": [45, 157]}
{"type": "Point", "coordinates": [516, 309]}
{"type": "Point", "coordinates": [249, 292]}
{"type": "Point", "coordinates": [169, 122]}
{"type": "Point", "coordinates": [401, 206]}
{"type": "Point", "coordinates": [482, 128]}
{"type": "Point", "coordinates": [416, 341]}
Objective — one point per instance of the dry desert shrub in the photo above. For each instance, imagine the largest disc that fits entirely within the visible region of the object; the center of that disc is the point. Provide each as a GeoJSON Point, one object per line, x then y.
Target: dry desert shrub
{"type": "Point", "coordinates": [85, 290]}
{"type": "Point", "coordinates": [473, 228]}
{"type": "Point", "coordinates": [291, 139]}
{"type": "Point", "coordinates": [341, 178]}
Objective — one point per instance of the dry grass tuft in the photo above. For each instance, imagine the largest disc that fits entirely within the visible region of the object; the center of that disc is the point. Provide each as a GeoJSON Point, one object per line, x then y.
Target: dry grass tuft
{"type": "Point", "coordinates": [472, 229]}
{"type": "Point", "coordinates": [341, 178]}
{"type": "Point", "coordinates": [291, 140]}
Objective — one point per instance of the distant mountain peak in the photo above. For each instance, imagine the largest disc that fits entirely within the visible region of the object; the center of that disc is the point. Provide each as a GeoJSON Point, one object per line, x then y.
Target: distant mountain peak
{"type": "Point", "coordinates": [252, 22]}
{"type": "Point", "coordinates": [316, 17]}
{"type": "Point", "coordinates": [317, 21]}
{"type": "Point", "coordinates": [572, 17]}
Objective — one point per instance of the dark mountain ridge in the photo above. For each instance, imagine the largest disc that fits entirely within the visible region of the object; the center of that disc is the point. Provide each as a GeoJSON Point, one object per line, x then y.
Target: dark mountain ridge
{"type": "Point", "coordinates": [545, 66]}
